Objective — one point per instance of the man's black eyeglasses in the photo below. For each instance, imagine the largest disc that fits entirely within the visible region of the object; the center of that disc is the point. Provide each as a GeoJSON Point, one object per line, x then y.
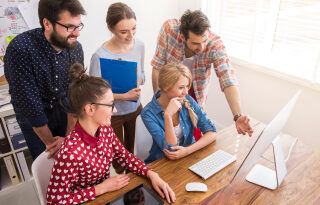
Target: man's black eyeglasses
{"type": "Point", "coordinates": [72, 28]}
{"type": "Point", "coordinates": [112, 105]}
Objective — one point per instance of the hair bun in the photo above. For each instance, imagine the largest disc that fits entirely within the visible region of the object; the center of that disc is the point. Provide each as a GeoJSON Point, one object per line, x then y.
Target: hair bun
{"type": "Point", "coordinates": [77, 72]}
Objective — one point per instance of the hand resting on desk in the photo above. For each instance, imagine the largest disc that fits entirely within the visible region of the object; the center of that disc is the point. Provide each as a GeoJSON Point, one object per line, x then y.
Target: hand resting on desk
{"type": "Point", "coordinates": [112, 184]}
{"type": "Point", "coordinates": [179, 152]}
{"type": "Point", "coordinates": [120, 181]}
{"type": "Point", "coordinates": [161, 187]}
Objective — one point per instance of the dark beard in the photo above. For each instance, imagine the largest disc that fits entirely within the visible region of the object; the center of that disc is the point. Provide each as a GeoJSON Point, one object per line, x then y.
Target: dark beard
{"type": "Point", "coordinates": [61, 42]}
{"type": "Point", "coordinates": [188, 52]}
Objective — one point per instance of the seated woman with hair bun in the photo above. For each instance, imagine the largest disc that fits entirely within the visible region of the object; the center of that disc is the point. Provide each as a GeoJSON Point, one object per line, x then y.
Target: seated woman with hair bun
{"type": "Point", "coordinates": [172, 115]}
{"type": "Point", "coordinates": [81, 171]}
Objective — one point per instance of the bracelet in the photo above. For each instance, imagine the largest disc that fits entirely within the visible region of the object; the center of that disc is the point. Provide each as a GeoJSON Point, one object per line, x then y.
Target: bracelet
{"type": "Point", "coordinates": [236, 117]}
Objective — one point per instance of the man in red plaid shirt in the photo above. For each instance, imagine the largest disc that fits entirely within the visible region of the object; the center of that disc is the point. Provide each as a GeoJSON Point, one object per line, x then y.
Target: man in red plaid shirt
{"type": "Point", "coordinates": [189, 41]}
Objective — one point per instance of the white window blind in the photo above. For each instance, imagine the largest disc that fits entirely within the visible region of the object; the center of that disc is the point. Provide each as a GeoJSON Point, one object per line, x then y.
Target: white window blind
{"type": "Point", "coordinates": [283, 35]}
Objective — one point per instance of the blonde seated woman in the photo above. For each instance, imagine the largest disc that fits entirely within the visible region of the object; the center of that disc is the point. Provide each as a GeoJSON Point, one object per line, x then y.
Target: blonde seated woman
{"type": "Point", "coordinates": [172, 114]}
{"type": "Point", "coordinates": [81, 171]}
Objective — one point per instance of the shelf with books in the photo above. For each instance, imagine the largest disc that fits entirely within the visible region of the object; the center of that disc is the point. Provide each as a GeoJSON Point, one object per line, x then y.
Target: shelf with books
{"type": "Point", "coordinates": [5, 154]}
{"type": "Point", "coordinates": [6, 110]}
{"type": "Point", "coordinates": [21, 149]}
{"type": "Point", "coordinates": [16, 156]}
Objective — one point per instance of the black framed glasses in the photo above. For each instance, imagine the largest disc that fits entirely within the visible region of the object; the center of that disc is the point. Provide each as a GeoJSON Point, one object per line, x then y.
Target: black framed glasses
{"type": "Point", "coordinates": [71, 28]}
{"type": "Point", "coordinates": [109, 105]}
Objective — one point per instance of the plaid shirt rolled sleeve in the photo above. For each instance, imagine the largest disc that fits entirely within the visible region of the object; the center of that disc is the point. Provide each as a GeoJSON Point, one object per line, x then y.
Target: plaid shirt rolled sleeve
{"type": "Point", "coordinates": [159, 58]}
{"type": "Point", "coordinates": [224, 70]}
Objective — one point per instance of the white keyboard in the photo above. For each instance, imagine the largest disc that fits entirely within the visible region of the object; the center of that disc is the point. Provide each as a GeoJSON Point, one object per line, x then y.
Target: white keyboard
{"type": "Point", "coordinates": [212, 164]}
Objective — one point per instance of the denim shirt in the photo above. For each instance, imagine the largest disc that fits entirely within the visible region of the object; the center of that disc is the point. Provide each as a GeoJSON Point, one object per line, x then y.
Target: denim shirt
{"type": "Point", "coordinates": [153, 118]}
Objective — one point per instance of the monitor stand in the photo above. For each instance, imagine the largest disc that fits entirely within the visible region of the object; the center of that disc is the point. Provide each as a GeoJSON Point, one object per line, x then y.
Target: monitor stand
{"type": "Point", "coordinates": [266, 177]}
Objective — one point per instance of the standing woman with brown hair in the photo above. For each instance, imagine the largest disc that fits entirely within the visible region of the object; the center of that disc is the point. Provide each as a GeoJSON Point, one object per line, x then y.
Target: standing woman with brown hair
{"type": "Point", "coordinates": [121, 22]}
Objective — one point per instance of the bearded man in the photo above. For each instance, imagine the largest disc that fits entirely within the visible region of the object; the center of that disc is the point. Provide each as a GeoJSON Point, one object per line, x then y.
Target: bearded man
{"type": "Point", "coordinates": [36, 67]}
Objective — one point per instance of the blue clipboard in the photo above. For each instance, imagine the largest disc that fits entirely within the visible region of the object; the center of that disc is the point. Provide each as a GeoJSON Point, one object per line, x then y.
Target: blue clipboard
{"type": "Point", "coordinates": [122, 75]}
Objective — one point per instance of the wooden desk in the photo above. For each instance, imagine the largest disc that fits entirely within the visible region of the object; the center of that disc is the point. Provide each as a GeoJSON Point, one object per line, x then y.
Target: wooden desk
{"type": "Point", "coordinates": [300, 186]}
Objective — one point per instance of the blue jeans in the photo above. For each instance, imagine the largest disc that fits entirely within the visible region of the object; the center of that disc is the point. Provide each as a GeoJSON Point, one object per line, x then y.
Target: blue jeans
{"type": "Point", "coordinates": [57, 123]}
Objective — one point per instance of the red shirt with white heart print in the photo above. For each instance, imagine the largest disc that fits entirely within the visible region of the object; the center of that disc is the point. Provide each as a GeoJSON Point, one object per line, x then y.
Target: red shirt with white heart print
{"type": "Point", "coordinates": [84, 161]}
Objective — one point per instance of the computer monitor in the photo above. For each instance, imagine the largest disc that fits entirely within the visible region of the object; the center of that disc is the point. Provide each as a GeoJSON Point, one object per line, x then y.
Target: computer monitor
{"type": "Point", "coordinates": [259, 174]}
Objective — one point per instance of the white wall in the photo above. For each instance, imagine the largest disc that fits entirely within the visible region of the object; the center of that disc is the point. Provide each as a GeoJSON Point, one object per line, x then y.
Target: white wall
{"type": "Point", "coordinates": [150, 16]}
{"type": "Point", "coordinates": [263, 95]}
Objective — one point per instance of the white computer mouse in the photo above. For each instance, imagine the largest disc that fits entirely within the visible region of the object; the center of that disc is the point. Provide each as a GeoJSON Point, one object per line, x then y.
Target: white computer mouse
{"type": "Point", "coordinates": [196, 186]}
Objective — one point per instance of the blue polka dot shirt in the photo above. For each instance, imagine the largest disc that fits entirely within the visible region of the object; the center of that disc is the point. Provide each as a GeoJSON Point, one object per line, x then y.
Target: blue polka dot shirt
{"type": "Point", "coordinates": [37, 74]}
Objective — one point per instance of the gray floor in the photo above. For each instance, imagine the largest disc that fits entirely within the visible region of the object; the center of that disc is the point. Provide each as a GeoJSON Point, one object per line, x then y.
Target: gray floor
{"type": "Point", "coordinates": [23, 193]}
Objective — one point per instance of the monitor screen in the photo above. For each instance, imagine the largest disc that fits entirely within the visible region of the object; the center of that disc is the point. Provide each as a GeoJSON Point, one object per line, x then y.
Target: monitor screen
{"type": "Point", "coordinates": [266, 137]}
{"type": "Point", "coordinates": [140, 195]}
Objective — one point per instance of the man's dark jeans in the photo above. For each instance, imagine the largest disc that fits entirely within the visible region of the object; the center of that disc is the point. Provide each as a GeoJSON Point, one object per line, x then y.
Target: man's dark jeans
{"type": "Point", "coordinates": [57, 123]}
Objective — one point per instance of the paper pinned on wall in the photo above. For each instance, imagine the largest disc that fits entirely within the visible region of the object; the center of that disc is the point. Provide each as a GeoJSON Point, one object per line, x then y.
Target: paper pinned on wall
{"type": "Point", "coordinates": [29, 12]}
{"type": "Point", "coordinates": [9, 39]}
